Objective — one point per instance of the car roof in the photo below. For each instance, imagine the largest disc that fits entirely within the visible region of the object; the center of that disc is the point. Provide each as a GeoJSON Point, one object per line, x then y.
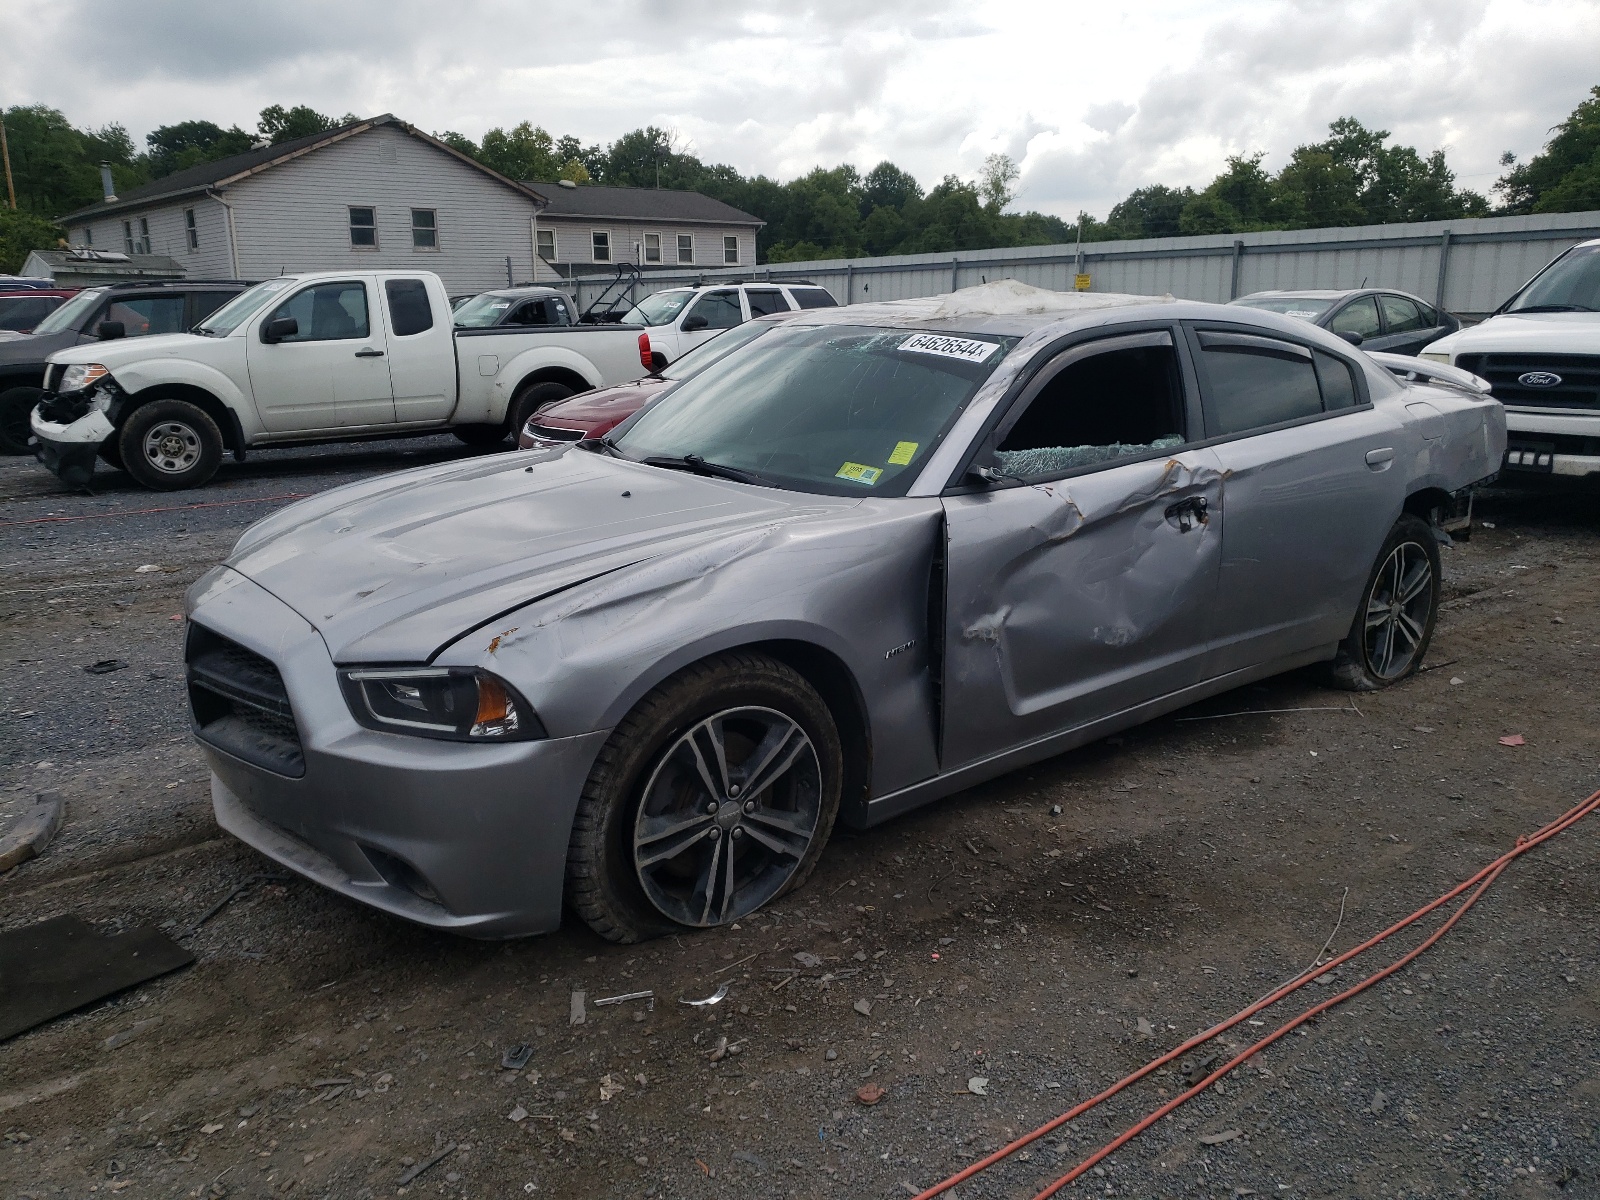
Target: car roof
{"type": "Point", "coordinates": [1329, 294]}
{"type": "Point", "coordinates": [517, 293]}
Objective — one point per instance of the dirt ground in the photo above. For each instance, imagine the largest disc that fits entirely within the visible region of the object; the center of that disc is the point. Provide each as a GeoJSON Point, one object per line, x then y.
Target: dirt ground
{"type": "Point", "coordinates": [1048, 933]}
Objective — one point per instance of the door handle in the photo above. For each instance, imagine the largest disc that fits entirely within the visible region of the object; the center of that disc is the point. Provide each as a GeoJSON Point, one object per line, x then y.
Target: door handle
{"type": "Point", "coordinates": [1380, 458]}
{"type": "Point", "coordinates": [369, 353]}
{"type": "Point", "coordinates": [1186, 514]}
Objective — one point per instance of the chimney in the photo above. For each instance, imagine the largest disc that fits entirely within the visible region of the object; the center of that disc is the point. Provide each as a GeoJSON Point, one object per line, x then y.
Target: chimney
{"type": "Point", "coordinates": [106, 184]}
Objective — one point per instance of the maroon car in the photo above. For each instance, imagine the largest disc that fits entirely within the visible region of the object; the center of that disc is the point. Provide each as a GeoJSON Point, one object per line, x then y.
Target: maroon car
{"type": "Point", "coordinates": [594, 414]}
{"type": "Point", "coordinates": [20, 310]}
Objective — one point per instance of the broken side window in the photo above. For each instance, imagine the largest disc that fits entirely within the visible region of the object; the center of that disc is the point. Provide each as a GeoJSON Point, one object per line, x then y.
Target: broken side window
{"type": "Point", "coordinates": [1116, 404]}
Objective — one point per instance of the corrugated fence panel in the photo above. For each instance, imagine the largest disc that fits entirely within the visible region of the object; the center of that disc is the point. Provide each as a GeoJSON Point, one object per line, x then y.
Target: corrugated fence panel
{"type": "Point", "coordinates": [1485, 260]}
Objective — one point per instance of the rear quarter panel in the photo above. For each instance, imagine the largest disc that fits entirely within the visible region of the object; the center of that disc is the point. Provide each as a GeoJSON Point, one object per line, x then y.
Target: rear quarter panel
{"type": "Point", "coordinates": [494, 365]}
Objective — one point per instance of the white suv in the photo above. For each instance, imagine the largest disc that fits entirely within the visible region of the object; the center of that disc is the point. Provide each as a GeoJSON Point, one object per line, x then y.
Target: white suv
{"type": "Point", "coordinates": [679, 319]}
{"type": "Point", "coordinates": [1540, 351]}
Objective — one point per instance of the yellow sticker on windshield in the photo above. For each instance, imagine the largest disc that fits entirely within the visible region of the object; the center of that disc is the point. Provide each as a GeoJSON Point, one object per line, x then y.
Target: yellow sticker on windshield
{"type": "Point", "coordinates": [904, 452]}
{"type": "Point", "coordinates": [859, 473]}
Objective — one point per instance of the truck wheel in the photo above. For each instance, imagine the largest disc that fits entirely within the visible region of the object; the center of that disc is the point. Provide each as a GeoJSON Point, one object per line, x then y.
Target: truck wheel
{"type": "Point", "coordinates": [16, 406]}
{"type": "Point", "coordinates": [1395, 620]}
{"type": "Point", "coordinates": [713, 796]}
{"type": "Point", "coordinates": [111, 454]}
{"type": "Point", "coordinates": [170, 444]}
{"type": "Point", "coordinates": [530, 400]}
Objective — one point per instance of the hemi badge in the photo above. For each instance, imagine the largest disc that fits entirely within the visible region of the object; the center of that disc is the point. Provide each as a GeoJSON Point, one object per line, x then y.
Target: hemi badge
{"type": "Point", "coordinates": [901, 649]}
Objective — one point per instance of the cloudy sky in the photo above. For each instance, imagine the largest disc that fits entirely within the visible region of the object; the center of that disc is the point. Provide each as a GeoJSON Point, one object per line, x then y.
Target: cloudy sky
{"type": "Point", "coordinates": [1091, 100]}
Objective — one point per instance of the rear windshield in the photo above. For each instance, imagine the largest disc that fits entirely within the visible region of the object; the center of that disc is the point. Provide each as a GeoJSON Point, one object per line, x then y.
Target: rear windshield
{"type": "Point", "coordinates": [67, 315]}
{"type": "Point", "coordinates": [483, 311]}
{"type": "Point", "coordinates": [846, 410]}
{"type": "Point", "coordinates": [1303, 307]}
{"type": "Point", "coordinates": [661, 309]}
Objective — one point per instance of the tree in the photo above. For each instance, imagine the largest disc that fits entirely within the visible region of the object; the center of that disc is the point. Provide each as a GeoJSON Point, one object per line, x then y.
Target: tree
{"type": "Point", "coordinates": [56, 168]}
{"type": "Point", "coordinates": [188, 143]}
{"type": "Point", "coordinates": [1149, 212]}
{"type": "Point", "coordinates": [887, 186]}
{"type": "Point", "coordinates": [279, 124]}
{"type": "Point", "coordinates": [21, 232]}
{"type": "Point", "coordinates": [1565, 177]}
{"type": "Point", "coordinates": [997, 182]}
{"type": "Point", "coordinates": [523, 152]}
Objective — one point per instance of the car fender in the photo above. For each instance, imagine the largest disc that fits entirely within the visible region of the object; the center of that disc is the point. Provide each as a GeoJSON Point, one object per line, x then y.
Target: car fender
{"type": "Point", "coordinates": [144, 375]}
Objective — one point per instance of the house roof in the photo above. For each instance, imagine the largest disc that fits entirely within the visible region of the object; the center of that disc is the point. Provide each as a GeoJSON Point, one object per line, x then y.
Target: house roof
{"type": "Point", "coordinates": [639, 204]}
{"type": "Point", "coordinates": [219, 174]}
{"type": "Point", "coordinates": [108, 264]}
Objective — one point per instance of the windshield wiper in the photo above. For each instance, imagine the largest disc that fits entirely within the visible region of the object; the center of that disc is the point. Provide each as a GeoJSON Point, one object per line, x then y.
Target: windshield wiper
{"type": "Point", "coordinates": [1555, 308]}
{"type": "Point", "coordinates": [693, 462]}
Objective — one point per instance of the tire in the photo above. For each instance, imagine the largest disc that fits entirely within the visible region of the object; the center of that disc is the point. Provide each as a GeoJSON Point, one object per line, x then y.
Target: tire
{"type": "Point", "coordinates": [479, 435]}
{"type": "Point", "coordinates": [111, 453]}
{"type": "Point", "coordinates": [168, 445]}
{"type": "Point", "coordinates": [16, 406]}
{"type": "Point", "coordinates": [1394, 622]}
{"type": "Point", "coordinates": [646, 855]}
{"type": "Point", "coordinates": [530, 400]}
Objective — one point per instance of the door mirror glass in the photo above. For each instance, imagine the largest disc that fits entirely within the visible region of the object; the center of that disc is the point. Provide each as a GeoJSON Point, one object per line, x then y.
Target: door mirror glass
{"type": "Point", "coordinates": [280, 329]}
{"type": "Point", "coordinates": [108, 330]}
{"type": "Point", "coordinates": [1349, 335]}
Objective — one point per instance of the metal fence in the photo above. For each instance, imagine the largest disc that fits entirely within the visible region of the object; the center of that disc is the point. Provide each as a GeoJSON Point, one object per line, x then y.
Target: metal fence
{"type": "Point", "coordinates": [1467, 266]}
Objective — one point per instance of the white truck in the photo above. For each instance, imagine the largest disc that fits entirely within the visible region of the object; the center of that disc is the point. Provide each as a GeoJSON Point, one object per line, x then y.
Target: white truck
{"type": "Point", "coordinates": [324, 357]}
{"type": "Point", "coordinates": [1540, 352]}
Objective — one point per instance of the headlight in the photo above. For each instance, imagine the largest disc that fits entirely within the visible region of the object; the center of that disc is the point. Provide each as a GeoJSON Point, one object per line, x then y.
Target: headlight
{"type": "Point", "coordinates": [80, 375]}
{"type": "Point", "coordinates": [460, 704]}
{"type": "Point", "coordinates": [1434, 356]}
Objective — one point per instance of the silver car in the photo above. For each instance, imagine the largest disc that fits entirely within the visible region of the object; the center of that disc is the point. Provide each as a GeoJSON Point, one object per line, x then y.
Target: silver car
{"type": "Point", "coordinates": [877, 556]}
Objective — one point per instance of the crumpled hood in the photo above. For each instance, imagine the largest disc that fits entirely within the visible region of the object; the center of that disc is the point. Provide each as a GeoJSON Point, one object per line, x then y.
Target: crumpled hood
{"type": "Point", "coordinates": [1545, 333]}
{"type": "Point", "coordinates": [392, 570]}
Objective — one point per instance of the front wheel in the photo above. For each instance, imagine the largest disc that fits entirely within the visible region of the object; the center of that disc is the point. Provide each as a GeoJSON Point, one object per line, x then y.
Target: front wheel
{"type": "Point", "coordinates": [714, 795]}
{"type": "Point", "coordinates": [16, 407]}
{"type": "Point", "coordinates": [170, 444]}
{"type": "Point", "coordinates": [1394, 623]}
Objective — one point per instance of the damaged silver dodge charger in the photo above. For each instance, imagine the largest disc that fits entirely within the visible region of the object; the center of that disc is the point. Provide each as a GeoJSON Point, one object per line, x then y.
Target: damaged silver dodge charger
{"type": "Point", "coordinates": [874, 557]}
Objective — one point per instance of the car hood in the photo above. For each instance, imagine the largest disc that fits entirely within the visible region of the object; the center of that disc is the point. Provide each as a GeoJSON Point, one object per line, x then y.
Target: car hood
{"type": "Point", "coordinates": [114, 353]}
{"type": "Point", "coordinates": [394, 570]}
{"type": "Point", "coordinates": [1548, 333]}
{"type": "Point", "coordinates": [33, 347]}
{"type": "Point", "coordinates": [596, 412]}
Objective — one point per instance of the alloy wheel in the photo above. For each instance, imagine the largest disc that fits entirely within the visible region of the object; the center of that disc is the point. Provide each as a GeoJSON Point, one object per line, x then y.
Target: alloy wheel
{"type": "Point", "coordinates": [1398, 604]}
{"type": "Point", "coordinates": [171, 447]}
{"type": "Point", "coordinates": [727, 816]}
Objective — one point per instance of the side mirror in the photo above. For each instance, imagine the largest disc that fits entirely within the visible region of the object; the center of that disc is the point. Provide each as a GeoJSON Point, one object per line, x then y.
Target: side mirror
{"type": "Point", "coordinates": [691, 324]}
{"type": "Point", "coordinates": [109, 330]}
{"type": "Point", "coordinates": [276, 331]}
{"type": "Point", "coordinates": [1355, 339]}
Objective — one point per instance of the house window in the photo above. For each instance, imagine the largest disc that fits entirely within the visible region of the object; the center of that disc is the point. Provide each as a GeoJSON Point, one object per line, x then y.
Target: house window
{"type": "Point", "coordinates": [652, 247]}
{"type": "Point", "coordinates": [127, 236]}
{"type": "Point", "coordinates": [88, 235]}
{"type": "Point", "coordinates": [602, 245]}
{"type": "Point", "coordinates": [189, 230]}
{"type": "Point", "coordinates": [730, 250]}
{"type": "Point", "coordinates": [424, 229]}
{"type": "Point", "coordinates": [364, 228]}
{"type": "Point", "coordinates": [144, 236]}
{"type": "Point", "coordinates": [686, 247]}
{"type": "Point", "coordinates": [547, 244]}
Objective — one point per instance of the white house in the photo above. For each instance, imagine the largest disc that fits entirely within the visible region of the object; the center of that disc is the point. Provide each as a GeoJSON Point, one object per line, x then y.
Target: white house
{"type": "Point", "coordinates": [375, 194]}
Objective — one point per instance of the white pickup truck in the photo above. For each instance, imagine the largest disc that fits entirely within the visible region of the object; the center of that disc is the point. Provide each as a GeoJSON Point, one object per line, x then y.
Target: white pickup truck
{"type": "Point", "coordinates": [325, 357]}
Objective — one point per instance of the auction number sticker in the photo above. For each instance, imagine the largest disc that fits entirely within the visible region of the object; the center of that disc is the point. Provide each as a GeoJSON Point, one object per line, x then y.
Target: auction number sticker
{"type": "Point", "coordinates": [859, 474]}
{"type": "Point", "coordinates": [949, 347]}
{"type": "Point", "coordinates": [904, 452]}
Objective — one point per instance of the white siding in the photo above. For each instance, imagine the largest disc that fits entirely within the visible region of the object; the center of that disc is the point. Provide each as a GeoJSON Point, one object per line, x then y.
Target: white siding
{"type": "Point", "coordinates": [210, 260]}
{"type": "Point", "coordinates": [295, 216]}
{"type": "Point", "coordinates": [574, 242]}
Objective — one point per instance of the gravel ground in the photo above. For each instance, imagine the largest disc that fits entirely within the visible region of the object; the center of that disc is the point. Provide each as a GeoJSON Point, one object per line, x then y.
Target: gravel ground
{"type": "Point", "coordinates": [321, 1049]}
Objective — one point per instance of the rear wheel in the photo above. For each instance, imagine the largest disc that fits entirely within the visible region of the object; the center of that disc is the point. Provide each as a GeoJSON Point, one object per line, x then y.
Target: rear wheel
{"type": "Point", "coordinates": [170, 444]}
{"type": "Point", "coordinates": [1394, 623]}
{"type": "Point", "coordinates": [16, 406]}
{"type": "Point", "coordinates": [714, 795]}
{"type": "Point", "coordinates": [479, 435]}
{"type": "Point", "coordinates": [531, 399]}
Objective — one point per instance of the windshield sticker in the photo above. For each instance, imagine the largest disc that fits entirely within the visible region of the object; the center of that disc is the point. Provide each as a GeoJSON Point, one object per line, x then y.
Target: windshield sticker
{"type": "Point", "coordinates": [501, 304]}
{"type": "Point", "coordinates": [1303, 314]}
{"type": "Point", "coordinates": [859, 474]}
{"type": "Point", "coordinates": [904, 452]}
{"type": "Point", "coordinates": [949, 347]}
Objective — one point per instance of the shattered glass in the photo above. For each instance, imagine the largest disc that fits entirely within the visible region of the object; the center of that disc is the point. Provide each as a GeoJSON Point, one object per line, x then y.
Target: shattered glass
{"type": "Point", "coordinates": [1052, 460]}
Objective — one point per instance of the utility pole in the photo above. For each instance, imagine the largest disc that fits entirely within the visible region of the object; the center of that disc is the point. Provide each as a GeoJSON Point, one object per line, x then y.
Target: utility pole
{"type": "Point", "coordinates": [5, 153]}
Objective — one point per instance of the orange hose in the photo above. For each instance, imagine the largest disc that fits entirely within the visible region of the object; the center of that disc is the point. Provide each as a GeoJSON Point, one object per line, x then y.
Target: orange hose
{"type": "Point", "coordinates": [1480, 879]}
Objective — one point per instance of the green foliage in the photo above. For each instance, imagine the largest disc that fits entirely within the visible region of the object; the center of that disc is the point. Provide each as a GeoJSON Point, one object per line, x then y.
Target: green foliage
{"type": "Point", "coordinates": [190, 143]}
{"type": "Point", "coordinates": [279, 124]}
{"type": "Point", "coordinates": [56, 168]}
{"type": "Point", "coordinates": [21, 232]}
{"type": "Point", "coordinates": [1566, 176]}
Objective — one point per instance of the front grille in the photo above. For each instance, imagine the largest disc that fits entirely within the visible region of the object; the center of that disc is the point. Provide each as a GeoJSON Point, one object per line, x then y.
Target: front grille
{"type": "Point", "coordinates": [1579, 387]}
{"type": "Point", "coordinates": [239, 705]}
{"type": "Point", "coordinates": [554, 433]}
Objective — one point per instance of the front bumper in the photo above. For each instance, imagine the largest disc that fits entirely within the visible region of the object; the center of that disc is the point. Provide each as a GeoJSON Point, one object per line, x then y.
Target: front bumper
{"type": "Point", "coordinates": [1545, 443]}
{"type": "Point", "coordinates": [69, 448]}
{"type": "Point", "coordinates": [466, 838]}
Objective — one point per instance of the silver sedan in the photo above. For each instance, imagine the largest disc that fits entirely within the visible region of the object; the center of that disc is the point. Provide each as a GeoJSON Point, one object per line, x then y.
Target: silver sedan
{"type": "Point", "coordinates": [877, 556]}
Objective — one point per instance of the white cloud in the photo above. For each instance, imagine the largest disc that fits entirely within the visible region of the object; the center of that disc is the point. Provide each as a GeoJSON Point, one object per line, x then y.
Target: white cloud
{"type": "Point", "coordinates": [1091, 101]}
